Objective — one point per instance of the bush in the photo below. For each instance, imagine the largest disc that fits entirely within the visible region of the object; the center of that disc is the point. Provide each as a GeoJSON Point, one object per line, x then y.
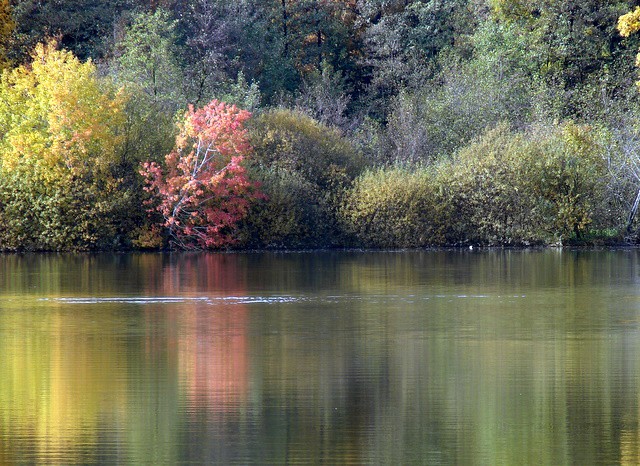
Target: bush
{"type": "Point", "coordinates": [304, 168]}
{"type": "Point", "coordinates": [543, 186]}
{"type": "Point", "coordinates": [203, 192]}
{"type": "Point", "coordinates": [64, 182]}
{"type": "Point", "coordinates": [547, 185]}
{"type": "Point", "coordinates": [396, 207]}
{"type": "Point", "coordinates": [292, 216]}
{"type": "Point", "coordinates": [296, 142]}
{"type": "Point", "coordinates": [37, 213]}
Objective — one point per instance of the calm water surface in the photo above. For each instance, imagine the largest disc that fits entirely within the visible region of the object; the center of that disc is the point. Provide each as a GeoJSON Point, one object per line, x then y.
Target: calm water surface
{"type": "Point", "coordinates": [496, 357]}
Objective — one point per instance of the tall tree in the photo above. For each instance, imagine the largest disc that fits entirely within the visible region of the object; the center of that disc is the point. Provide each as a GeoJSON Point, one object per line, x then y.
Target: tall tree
{"type": "Point", "coordinates": [573, 44]}
{"type": "Point", "coordinates": [223, 39]}
{"type": "Point", "coordinates": [147, 60]}
{"type": "Point", "coordinates": [309, 33]}
{"type": "Point", "coordinates": [276, 43]}
{"type": "Point", "coordinates": [146, 64]}
{"type": "Point", "coordinates": [629, 24]}
{"type": "Point", "coordinates": [403, 37]}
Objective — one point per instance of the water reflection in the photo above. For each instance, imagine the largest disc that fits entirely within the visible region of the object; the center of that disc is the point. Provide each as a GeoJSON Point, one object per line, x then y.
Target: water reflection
{"type": "Point", "coordinates": [213, 359]}
{"type": "Point", "coordinates": [504, 357]}
{"type": "Point", "coordinates": [57, 386]}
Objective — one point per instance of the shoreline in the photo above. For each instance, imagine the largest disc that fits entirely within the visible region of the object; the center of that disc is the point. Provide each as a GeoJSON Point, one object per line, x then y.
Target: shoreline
{"type": "Point", "coordinates": [468, 249]}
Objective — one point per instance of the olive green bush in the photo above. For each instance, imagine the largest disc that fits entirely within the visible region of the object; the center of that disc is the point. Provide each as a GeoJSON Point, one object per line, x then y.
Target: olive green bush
{"type": "Point", "coordinates": [71, 213]}
{"type": "Point", "coordinates": [293, 141]}
{"type": "Point", "coordinates": [396, 207]}
{"type": "Point", "coordinates": [304, 168]}
{"type": "Point", "coordinates": [484, 186]}
{"type": "Point", "coordinates": [291, 217]}
{"type": "Point", "coordinates": [547, 185]}
{"type": "Point", "coordinates": [543, 186]}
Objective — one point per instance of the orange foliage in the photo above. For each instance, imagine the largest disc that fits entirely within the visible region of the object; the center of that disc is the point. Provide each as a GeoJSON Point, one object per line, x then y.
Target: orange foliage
{"type": "Point", "coordinates": [205, 191]}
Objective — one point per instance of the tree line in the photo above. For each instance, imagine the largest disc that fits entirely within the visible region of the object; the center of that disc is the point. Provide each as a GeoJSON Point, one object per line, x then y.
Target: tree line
{"type": "Point", "coordinates": [317, 123]}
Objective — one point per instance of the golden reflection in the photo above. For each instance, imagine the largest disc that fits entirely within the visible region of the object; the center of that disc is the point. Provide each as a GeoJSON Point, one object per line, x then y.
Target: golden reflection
{"type": "Point", "coordinates": [630, 422]}
{"type": "Point", "coordinates": [629, 448]}
{"type": "Point", "coordinates": [57, 382]}
{"type": "Point", "coordinates": [525, 358]}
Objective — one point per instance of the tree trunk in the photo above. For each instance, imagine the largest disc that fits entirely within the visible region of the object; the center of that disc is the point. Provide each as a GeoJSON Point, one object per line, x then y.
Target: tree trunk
{"type": "Point", "coordinates": [632, 213]}
{"type": "Point", "coordinates": [285, 32]}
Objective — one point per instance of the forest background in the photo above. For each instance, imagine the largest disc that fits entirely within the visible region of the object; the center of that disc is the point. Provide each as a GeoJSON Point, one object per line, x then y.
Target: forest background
{"type": "Point", "coordinates": [317, 123]}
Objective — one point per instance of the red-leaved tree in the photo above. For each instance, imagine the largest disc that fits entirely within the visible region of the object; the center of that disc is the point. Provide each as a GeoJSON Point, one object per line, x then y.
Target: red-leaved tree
{"type": "Point", "coordinates": [205, 191]}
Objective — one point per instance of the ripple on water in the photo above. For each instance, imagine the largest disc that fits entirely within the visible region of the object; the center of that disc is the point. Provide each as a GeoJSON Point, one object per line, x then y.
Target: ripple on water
{"type": "Point", "coordinates": [277, 299]}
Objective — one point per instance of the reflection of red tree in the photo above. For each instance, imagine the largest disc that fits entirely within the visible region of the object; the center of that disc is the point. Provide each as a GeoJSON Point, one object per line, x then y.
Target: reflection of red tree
{"type": "Point", "coordinates": [211, 338]}
{"type": "Point", "coordinates": [203, 274]}
{"type": "Point", "coordinates": [212, 343]}
{"type": "Point", "coordinates": [213, 356]}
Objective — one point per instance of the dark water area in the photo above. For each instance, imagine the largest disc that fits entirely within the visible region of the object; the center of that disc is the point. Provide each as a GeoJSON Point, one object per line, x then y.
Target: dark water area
{"type": "Point", "coordinates": [434, 357]}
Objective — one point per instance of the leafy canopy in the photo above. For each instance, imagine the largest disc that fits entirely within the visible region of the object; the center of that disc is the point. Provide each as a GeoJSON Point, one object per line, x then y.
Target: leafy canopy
{"type": "Point", "coordinates": [7, 25]}
{"type": "Point", "coordinates": [629, 24]}
{"type": "Point", "coordinates": [57, 113]}
{"type": "Point", "coordinates": [60, 144]}
{"type": "Point", "coordinates": [148, 60]}
{"type": "Point", "coordinates": [204, 190]}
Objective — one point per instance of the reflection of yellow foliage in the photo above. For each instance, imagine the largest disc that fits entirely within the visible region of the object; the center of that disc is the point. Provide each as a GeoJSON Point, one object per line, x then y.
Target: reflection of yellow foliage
{"type": "Point", "coordinates": [58, 381]}
{"type": "Point", "coordinates": [629, 448]}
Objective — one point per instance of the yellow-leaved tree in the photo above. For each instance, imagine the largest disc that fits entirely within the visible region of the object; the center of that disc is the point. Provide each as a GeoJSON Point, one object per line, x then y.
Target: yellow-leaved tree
{"type": "Point", "coordinates": [629, 24]}
{"type": "Point", "coordinates": [62, 175]}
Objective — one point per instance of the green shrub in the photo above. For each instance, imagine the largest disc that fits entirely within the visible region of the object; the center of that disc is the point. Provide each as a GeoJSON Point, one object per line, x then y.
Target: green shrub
{"type": "Point", "coordinates": [571, 179]}
{"type": "Point", "coordinates": [544, 186]}
{"type": "Point", "coordinates": [291, 217]}
{"type": "Point", "coordinates": [294, 141]}
{"type": "Point", "coordinates": [37, 213]}
{"type": "Point", "coordinates": [396, 207]}
{"type": "Point", "coordinates": [483, 186]}
{"type": "Point", "coordinates": [304, 168]}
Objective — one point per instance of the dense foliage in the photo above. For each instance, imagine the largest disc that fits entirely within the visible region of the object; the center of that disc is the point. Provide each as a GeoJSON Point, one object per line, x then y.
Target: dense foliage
{"type": "Point", "coordinates": [397, 207]}
{"type": "Point", "coordinates": [304, 168]}
{"type": "Point", "coordinates": [395, 123]}
{"type": "Point", "coordinates": [63, 181]}
{"type": "Point", "coordinates": [205, 191]}
{"type": "Point", "coordinates": [544, 186]}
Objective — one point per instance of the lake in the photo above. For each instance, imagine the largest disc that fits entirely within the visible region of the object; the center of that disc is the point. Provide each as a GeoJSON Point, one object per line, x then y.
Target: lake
{"type": "Point", "coordinates": [420, 357]}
